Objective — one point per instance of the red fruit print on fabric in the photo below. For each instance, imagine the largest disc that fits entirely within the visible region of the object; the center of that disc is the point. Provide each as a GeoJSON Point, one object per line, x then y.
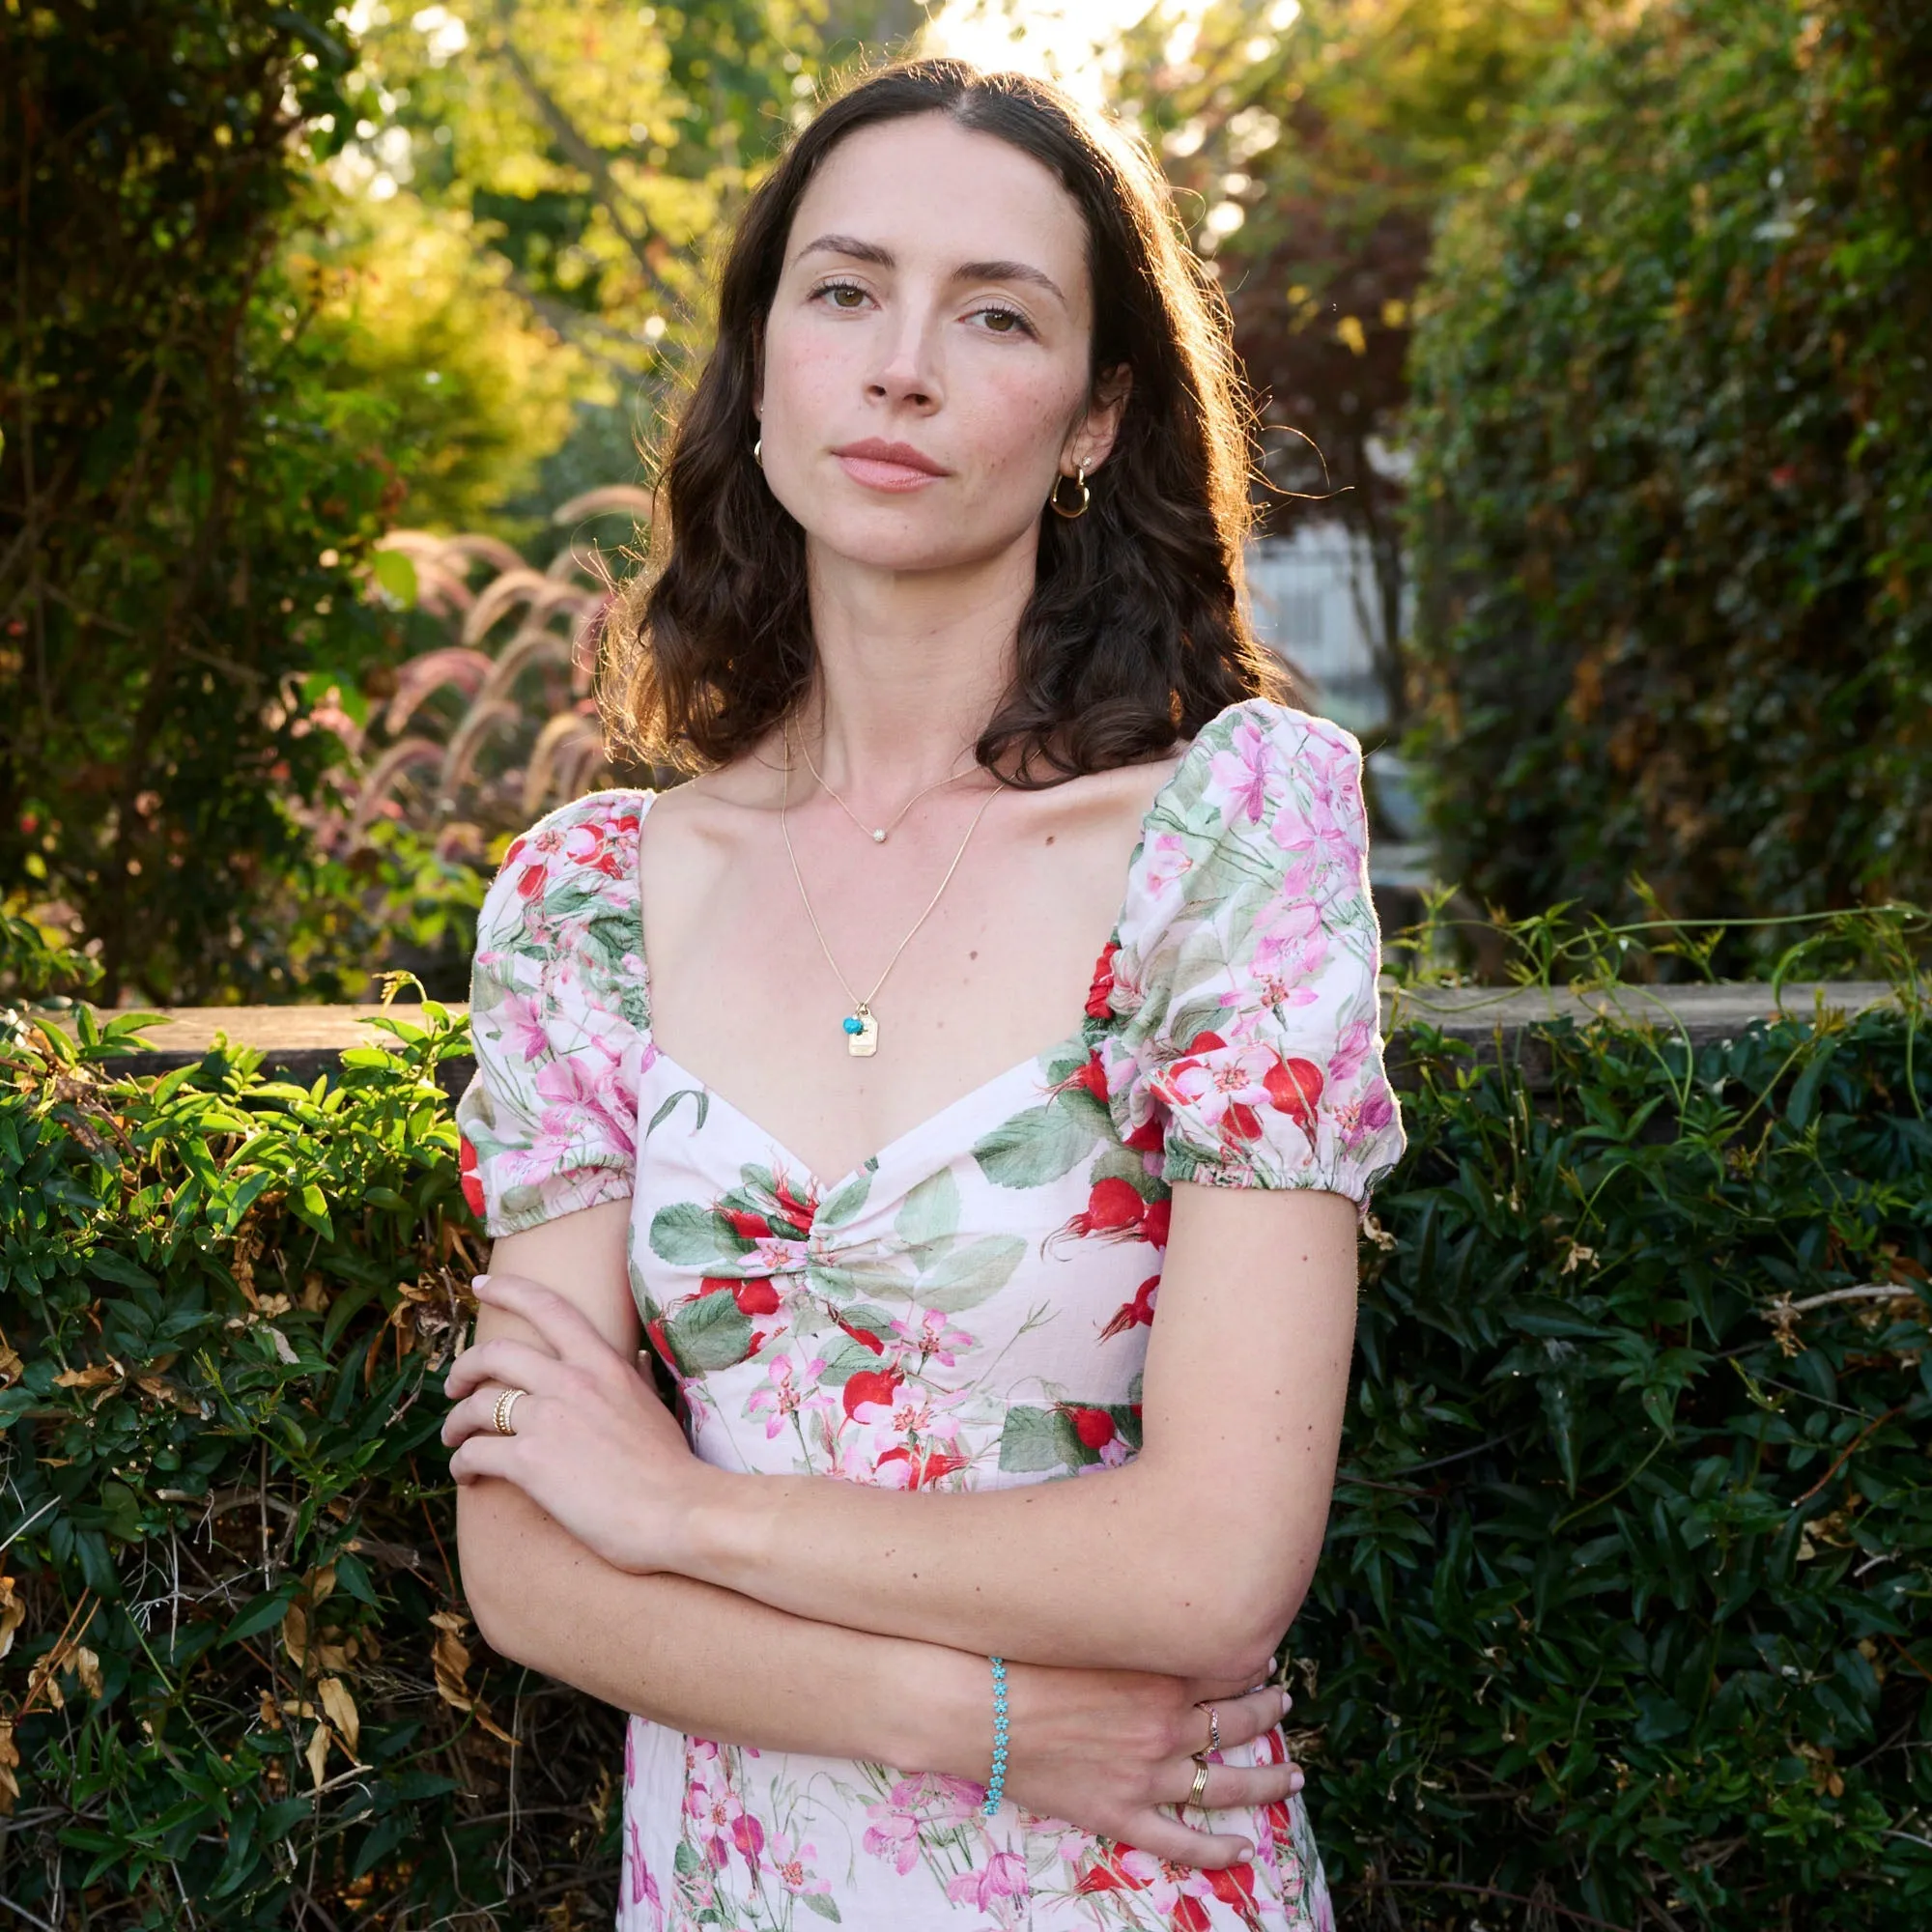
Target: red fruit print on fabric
{"type": "Point", "coordinates": [1099, 995]}
{"type": "Point", "coordinates": [1137, 1313]}
{"type": "Point", "coordinates": [746, 1225]}
{"type": "Point", "coordinates": [1153, 1223]}
{"type": "Point", "coordinates": [1094, 1427]}
{"type": "Point", "coordinates": [530, 881]}
{"type": "Point", "coordinates": [1191, 1915]}
{"type": "Point", "coordinates": [1294, 1087]}
{"type": "Point", "coordinates": [924, 1468]}
{"type": "Point", "coordinates": [1113, 1207]}
{"type": "Point", "coordinates": [755, 1297]}
{"type": "Point", "coordinates": [871, 1385]}
{"type": "Point", "coordinates": [472, 1181]}
{"type": "Point", "coordinates": [863, 1338]}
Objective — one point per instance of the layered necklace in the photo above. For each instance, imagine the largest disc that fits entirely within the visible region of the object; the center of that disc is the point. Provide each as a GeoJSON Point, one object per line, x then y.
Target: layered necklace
{"type": "Point", "coordinates": [860, 1025]}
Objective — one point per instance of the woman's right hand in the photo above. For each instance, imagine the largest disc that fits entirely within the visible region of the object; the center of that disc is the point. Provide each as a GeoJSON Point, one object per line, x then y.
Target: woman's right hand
{"type": "Point", "coordinates": [1111, 1752]}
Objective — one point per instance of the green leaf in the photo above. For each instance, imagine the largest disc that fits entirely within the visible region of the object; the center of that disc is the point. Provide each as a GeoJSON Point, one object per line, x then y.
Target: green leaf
{"type": "Point", "coordinates": [263, 1613]}
{"type": "Point", "coordinates": [396, 573]}
{"type": "Point", "coordinates": [1032, 1148]}
{"type": "Point", "coordinates": [709, 1333]}
{"type": "Point", "coordinates": [931, 1211]}
{"type": "Point", "coordinates": [694, 1235]}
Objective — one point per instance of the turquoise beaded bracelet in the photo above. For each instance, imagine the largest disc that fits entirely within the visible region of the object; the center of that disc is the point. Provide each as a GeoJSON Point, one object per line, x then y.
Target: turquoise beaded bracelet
{"type": "Point", "coordinates": [996, 1785]}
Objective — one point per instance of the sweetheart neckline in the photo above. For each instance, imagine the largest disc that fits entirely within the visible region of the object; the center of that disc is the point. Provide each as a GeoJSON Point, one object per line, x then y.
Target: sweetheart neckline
{"type": "Point", "coordinates": [872, 1162]}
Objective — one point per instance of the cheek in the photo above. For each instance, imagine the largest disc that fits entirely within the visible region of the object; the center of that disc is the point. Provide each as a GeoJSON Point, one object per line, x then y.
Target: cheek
{"type": "Point", "coordinates": [1017, 417]}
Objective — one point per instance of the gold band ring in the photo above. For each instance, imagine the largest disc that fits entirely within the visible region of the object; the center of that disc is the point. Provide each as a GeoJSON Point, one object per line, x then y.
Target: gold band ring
{"type": "Point", "coordinates": [1193, 1798]}
{"type": "Point", "coordinates": [506, 1399]}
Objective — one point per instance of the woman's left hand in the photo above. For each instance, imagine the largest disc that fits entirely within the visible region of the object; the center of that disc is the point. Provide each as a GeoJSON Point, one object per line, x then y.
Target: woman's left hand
{"type": "Point", "coordinates": [590, 1442]}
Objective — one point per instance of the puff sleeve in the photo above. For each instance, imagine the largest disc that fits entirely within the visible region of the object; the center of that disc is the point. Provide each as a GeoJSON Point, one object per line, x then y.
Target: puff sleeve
{"type": "Point", "coordinates": [1239, 1018]}
{"type": "Point", "coordinates": [557, 1021]}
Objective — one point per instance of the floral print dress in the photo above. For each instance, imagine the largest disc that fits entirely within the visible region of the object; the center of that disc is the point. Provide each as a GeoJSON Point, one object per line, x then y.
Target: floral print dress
{"type": "Point", "coordinates": [967, 1309]}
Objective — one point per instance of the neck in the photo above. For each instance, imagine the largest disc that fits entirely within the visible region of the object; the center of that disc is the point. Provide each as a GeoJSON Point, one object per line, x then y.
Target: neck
{"type": "Point", "coordinates": [911, 667]}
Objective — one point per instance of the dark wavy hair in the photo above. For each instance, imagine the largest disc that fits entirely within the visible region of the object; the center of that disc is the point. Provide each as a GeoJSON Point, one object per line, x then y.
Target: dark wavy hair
{"type": "Point", "coordinates": [1135, 634]}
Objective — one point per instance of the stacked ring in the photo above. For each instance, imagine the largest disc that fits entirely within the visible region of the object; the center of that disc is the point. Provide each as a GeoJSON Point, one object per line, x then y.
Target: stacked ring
{"type": "Point", "coordinates": [1193, 1798]}
{"type": "Point", "coordinates": [506, 1399]}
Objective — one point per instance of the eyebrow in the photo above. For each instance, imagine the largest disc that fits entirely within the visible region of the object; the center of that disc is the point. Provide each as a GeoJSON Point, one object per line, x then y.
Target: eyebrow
{"type": "Point", "coordinates": [854, 249]}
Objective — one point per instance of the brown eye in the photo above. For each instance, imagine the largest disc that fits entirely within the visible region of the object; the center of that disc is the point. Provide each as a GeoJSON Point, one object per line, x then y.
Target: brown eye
{"type": "Point", "coordinates": [840, 290]}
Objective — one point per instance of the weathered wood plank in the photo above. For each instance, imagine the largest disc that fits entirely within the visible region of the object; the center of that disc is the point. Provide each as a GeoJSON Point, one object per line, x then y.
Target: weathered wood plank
{"type": "Point", "coordinates": [302, 1042]}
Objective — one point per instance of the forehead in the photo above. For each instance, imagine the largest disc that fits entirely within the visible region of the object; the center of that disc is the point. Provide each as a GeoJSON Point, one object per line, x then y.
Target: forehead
{"type": "Point", "coordinates": [937, 194]}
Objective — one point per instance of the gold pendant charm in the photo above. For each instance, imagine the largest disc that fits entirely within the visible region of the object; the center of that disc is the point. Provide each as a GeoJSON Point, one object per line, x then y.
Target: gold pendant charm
{"type": "Point", "coordinates": [862, 1034]}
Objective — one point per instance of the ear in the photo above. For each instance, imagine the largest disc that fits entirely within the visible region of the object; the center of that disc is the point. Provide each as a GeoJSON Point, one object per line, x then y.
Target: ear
{"type": "Point", "coordinates": [1092, 440]}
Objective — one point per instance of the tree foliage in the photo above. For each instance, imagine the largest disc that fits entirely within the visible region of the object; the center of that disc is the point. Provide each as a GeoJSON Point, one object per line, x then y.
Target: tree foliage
{"type": "Point", "coordinates": [1313, 146]}
{"type": "Point", "coordinates": [1675, 430]}
{"type": "Point", "coordinates": [183, 496]}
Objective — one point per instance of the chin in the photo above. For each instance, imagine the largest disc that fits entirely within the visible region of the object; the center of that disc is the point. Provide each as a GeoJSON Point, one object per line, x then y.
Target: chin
{"type": "Point", "coordinates": [915, 541]}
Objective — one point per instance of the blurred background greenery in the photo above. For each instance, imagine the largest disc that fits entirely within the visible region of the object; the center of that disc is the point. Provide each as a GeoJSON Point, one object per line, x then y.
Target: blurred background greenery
{"type": "Point", "coordinates": [335, 339]}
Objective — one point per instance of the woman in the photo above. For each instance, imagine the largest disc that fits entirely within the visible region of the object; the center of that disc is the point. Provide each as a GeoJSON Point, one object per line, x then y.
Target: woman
{"type": "Point", "coordinates": [945, 613]}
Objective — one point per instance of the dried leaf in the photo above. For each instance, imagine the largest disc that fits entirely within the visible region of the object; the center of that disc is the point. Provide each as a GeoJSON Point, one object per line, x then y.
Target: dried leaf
{"type": "Point", "coordinates": [317, 1752]}
{"type": "Point", "coordinates": [9, 1785]}
{"type": "Point", "coordinates": [91, 1377]}
{"type": "Point", "coordinates": [11, 1366]}
{"type": "Point", "coordinates": [342, 1712]}
{"type": "Point", "coordinates": [13, 1613]}
{"type": "Point", "coordinates": [87, 1667]}
{"type": "Point", "coordinates": [295, 1635]}
{"type": "Point", "coordinates": [271, 1718]}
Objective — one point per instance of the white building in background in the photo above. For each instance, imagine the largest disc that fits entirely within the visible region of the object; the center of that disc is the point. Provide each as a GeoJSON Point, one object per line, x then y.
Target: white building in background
{"type": "Point", "coordinates": [1314, 600]}
{"type": "Point", "coordinates": [1313, 596]}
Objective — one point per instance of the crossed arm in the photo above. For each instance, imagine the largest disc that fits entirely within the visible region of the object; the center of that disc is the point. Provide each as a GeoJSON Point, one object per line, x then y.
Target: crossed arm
{"type": "Point", "coordinates": [1190, 1561]}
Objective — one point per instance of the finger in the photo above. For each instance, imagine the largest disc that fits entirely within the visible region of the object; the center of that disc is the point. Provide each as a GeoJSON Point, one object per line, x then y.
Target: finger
{"type": "Point", "coordinates": [483, 1455]}
{"type": "Point", "coordinates": [502, 1359]}
{"type": "Point", "coordinates": [476, 1415]}
{"type": "Point", "coordinates": [1245, 1787]}
{"type": "Point", "coordinates": [1165, 1838]}
{"type": "Point", "coordinates": [558, 1321]}
{"type": "Point", "coordinates": [1245, 1718]}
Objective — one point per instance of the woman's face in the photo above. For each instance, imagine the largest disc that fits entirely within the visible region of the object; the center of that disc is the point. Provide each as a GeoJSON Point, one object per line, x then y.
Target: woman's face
{"type": "Point", "coordinates": [927, 359]}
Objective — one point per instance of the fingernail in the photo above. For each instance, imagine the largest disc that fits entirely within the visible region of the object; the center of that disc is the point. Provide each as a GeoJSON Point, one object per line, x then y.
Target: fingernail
{"type": "Point", "coordinates": [1286, 1704]}
{"type": "Point", "coordinates": [1246, 1852]}
{"type": "Point", "coordinates": [1296, 1783]}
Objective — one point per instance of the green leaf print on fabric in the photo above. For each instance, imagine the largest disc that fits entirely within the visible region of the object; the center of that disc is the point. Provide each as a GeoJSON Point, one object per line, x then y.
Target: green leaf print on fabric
{"type": "Point", "coordinates": [708, 1333]}
{"type": "Point", "coordinates": [968, 1272]}
{"type": "Point", "coordinates": [1069, 1436]}
{"type": "Point", "coordinates": [847, 1198]}
{"type": "Point", "coordinates": [817, 1901]}
{"type": "Point", "coordinates": [930, 1211]}
{"type": "Point", "coordinates": [693, 1235]}
{"type": "Point", "coordinates": [1034, 1147]}
{"type": "Point", "coordinates": [665, 1111]}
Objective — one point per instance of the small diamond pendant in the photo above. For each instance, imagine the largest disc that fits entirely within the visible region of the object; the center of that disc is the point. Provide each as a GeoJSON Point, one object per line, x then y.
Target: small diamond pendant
{"type": "Point", "coordinates": [879, 837]}
{"type": "Point", "coordinates": [862, 1034]}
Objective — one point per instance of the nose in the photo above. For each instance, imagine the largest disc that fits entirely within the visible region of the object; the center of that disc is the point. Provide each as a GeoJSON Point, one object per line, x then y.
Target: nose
{"type": "Point", "coordinates": [907, 372]}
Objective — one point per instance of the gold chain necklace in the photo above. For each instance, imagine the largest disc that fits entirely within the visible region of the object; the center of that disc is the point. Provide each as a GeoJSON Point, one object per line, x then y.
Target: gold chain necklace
{"type": "Point", "coordinates": [861, 1028]}
{"type": "Point", "coordinates": [876, 833]}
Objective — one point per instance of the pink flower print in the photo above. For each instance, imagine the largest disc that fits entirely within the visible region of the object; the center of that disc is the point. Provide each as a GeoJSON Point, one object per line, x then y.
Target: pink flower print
{"type": "Point", "coordinates": [1369, 1113]}
{"type": "Point", "coordinates": [641, 1888]}
{"type": "Point", "coordinates": [789, 1390]}
{"type": "Point", "coordinates": [1358, 1038]}
{"type": "Point", "coordinates": [1290, 951]}
{"type": "Point", "coordinates": [1242, 772]}
{"type": "Point", "coordinates": [933, 1340]}
{"type": "Point", "coordinates": [523, 1023]}
{"type": "Point", "coordinates": [893, 1837]}
{"type": "Point", "coordinates": [1218, 1086]}
{"type": "Point", "coordinates": [1003, 1876]}
{"type": "Point", "coordinates": [791, 1866]}
{"type": "Point", "coordinates": [1166, 861]}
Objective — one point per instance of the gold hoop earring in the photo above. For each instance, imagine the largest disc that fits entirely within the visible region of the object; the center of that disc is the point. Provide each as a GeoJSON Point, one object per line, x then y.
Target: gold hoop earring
{"type": "Point", "coordinates": [1079, 481]}
{"type": "Point", "coordinates": [758, 452]}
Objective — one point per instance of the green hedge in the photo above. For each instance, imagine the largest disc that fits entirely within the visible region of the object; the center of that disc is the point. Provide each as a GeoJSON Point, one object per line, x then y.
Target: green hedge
{"type": "Point", "coordinates": [1672, 509]}
{"type": "Point", "coordinates": [1623, 1616]}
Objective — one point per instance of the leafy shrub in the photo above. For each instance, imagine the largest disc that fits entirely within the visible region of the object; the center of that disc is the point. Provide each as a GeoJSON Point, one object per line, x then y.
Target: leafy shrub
{"type": "Point", "coordinates": [1673, 508]}
{"type": "Point", "coordinates": [1623, 1612]}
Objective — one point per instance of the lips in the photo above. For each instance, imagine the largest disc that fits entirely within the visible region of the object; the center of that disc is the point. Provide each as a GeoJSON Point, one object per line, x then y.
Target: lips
{"type": "Point", "coordinates": [878, 464]}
